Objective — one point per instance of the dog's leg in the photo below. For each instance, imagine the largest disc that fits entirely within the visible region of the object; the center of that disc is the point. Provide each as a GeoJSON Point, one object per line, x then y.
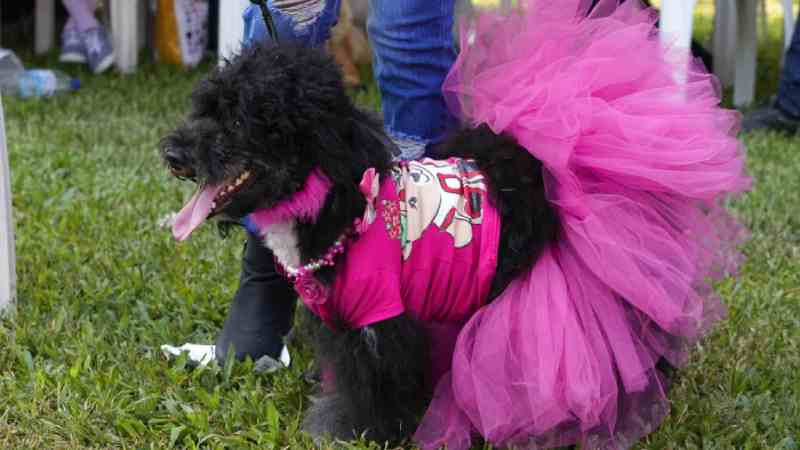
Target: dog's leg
{"type": "Point", "coordinates": [375, 382]}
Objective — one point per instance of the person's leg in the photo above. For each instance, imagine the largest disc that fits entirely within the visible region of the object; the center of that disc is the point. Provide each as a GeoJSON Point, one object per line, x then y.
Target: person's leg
{"type": "Point", "coordinates": [789, 91]}
{"type": "Point", "coordinates": [413, 48]}
{"type": "Point", "coordinates": [97, 45]}
{"type": "Point", "coordinates": [81, 14]}
{"type": "Point", "coordinates": [261, 313]}
{"type": "Point", "coordinates": [784, 113]}
{"type": "Point", "coordinates": [306, 22]}
{"type": "Point", "coordinates": [262, 309]}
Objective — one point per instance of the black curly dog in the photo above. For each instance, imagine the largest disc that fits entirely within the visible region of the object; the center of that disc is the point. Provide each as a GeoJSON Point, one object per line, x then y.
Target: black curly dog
{"type": "Point", "coordinates": [281, 111]}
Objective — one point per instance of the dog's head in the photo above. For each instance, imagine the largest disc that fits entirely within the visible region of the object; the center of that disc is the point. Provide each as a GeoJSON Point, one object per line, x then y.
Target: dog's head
{"type": "Point", "coordinates": [261, 124]}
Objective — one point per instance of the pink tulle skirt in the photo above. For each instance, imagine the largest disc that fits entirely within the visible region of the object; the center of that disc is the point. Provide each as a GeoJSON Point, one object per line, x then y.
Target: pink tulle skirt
{"type": "Point", "coordinates": [639, 162]}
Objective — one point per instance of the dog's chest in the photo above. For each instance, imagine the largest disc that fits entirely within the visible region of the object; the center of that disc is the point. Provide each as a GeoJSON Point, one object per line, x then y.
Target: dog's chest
{"type": "Point", "coordinates": [281, 238]}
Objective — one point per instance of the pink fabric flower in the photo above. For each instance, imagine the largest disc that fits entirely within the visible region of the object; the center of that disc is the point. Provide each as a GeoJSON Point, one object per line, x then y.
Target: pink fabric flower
{"type": "Point", "coordinates": [311, 290]}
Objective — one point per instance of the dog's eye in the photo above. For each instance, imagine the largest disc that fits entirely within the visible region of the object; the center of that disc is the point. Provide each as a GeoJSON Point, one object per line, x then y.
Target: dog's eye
{"type": "Point", "coordinates": [237, 124]}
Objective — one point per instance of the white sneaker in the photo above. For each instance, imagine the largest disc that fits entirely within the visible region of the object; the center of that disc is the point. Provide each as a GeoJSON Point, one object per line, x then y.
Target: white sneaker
{"type": "Point", "coordinates": [72, 48]}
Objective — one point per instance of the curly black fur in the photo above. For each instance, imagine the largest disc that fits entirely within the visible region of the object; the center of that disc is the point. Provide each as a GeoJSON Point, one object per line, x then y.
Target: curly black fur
{"type": "Point", "coordinates": [378, 381]}
{"type": "Point", "coordinates": [281, 111]}
{"type": "Point", "coordinates": [516, 186]}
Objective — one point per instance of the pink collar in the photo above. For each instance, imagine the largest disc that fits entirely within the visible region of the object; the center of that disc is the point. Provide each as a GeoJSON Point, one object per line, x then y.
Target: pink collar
{"type": "Point", "coordinates": [303, 204]}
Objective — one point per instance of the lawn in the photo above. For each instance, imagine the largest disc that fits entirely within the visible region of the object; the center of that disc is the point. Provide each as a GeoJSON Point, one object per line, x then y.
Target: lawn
{"type": "Point", "coordinates": [102, 286]}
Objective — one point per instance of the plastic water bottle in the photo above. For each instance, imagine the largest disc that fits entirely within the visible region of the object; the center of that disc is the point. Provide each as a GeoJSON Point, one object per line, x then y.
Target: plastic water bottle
{"type": "Point", "coordinates": [38, 83]}
{"type": "Point", "coordinates": [15, 80]}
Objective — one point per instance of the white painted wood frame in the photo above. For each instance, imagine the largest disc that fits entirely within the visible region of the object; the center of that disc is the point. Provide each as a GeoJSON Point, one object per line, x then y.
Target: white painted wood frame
{"type": "Point", "coordinates": [128, 28]}
{"type": "Point", "coordinates": [735, 41]}
{"type": "Point", "coordinates": [45, 26]}
{"type": "Point", "coordinates": [8, 277]}
{"type": "Point", "coordinates": [231, 28]}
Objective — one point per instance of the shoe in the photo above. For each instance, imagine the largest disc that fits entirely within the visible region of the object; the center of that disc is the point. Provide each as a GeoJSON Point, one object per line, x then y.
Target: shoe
{"type": "Point", "coordinates": [72, 49]}
{"type": "Point", "coordinates": [770, 118]}
{"type": "Point", "coordinates": [99, 51]}
{"type": "Point", "coordinates": [267, 364]}
{"type": "Point", "coordinates": [199, 355]}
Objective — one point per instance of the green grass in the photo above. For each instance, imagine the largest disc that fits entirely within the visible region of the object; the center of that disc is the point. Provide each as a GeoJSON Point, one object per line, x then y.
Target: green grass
{"type": "Point", "coordinates": [101, 287]}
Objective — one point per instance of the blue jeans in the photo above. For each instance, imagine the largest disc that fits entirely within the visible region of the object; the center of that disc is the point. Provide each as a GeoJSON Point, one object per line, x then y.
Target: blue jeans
{"type": "Point", "coordinates": [789, 91]}
{"type": "Point", "coordinates": [413, 48]}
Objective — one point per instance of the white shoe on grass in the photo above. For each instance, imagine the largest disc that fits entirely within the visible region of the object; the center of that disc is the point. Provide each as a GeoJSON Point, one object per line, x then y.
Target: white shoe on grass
{"type": "Point", "coordinates": [198, 354]}
{"type": "Point", "coordinates": [202, 355]}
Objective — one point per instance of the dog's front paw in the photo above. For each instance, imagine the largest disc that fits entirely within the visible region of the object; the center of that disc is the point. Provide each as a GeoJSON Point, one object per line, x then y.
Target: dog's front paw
{"type": "Point", "coordinates": [329, 418]}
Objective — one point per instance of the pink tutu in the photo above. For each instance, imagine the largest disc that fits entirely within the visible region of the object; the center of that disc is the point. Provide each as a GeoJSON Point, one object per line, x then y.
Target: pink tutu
{"type": "Point", "coordinates": [639, 162]}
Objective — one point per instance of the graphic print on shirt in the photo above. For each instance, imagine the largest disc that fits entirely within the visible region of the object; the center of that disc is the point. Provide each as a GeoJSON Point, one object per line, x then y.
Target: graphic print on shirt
{"type": "Point", "coordinates": [447, 194]}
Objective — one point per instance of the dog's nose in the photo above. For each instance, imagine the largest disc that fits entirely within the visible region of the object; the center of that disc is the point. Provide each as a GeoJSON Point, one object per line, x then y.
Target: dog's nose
{"type": "Point", "coordinates": [178, 164]}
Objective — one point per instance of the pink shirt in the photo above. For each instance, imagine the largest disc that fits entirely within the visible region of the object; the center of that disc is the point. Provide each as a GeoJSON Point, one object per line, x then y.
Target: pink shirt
{"type": "Point", "coordinates": [429, 248]}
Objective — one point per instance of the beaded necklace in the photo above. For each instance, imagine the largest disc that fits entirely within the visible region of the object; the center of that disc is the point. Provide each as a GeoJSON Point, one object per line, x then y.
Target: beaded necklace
{"type": "Point", "coordinates": [302, 277]}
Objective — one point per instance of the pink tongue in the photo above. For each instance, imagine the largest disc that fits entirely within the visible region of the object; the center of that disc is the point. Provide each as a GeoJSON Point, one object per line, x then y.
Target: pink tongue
{"type": "Point", "coordinates": [195, 212]}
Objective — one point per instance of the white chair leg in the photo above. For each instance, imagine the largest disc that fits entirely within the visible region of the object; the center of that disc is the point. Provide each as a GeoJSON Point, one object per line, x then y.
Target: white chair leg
{"type": "Point", "coordinates": [724, 41]}
{"type": "Point", "coordinates": [8, 278]}
{"type": "Point", "coordinates": [676, 22]}
{"type": "Point", "coordinates": [676, 31]}
{"type": "Point", "coordinates": [745, 79]}
{"type": "Point", "coordinates": [124, 27]}
{"type": "Point", "coordinates": [231, 28]}
{"type": "Point", "coordinates": [788, 23]}
{"type": "Point", "coordinates": [45, 25]}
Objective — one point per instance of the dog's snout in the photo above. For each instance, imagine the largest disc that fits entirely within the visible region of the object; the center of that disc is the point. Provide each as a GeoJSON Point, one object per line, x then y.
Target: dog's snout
{"type": "Point", "coordinates": [174, 158]}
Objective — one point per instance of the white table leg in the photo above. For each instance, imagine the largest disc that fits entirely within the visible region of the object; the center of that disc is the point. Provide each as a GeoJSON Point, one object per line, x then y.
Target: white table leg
{"type": "Point", "coordinates": [231, 27]}
{"type": "Point", "coordinates": [124, 27]}
{"type": "Point", "coordinates": [8, 278]}
{"type": "Point", "coordinates": [724, 41]}
{"type": "Point", "coordinates": [45, 25]}
{"type": "Point", "coordinates": [676, 22]}
{"type": "Point", "coordinates": [745, 78]}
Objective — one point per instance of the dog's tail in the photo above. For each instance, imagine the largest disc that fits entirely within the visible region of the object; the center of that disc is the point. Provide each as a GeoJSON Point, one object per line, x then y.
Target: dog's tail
{"type": "Point", "coordinates": [637, 160]}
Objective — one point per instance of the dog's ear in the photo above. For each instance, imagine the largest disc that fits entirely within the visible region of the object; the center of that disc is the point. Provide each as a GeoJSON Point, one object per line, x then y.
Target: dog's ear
{"type": "Point", "coordinates": [370, 143]}
{"type": "Point", "coordinates": [364, 145]}
{"type": "Point", "coordinates": [373, 136]}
